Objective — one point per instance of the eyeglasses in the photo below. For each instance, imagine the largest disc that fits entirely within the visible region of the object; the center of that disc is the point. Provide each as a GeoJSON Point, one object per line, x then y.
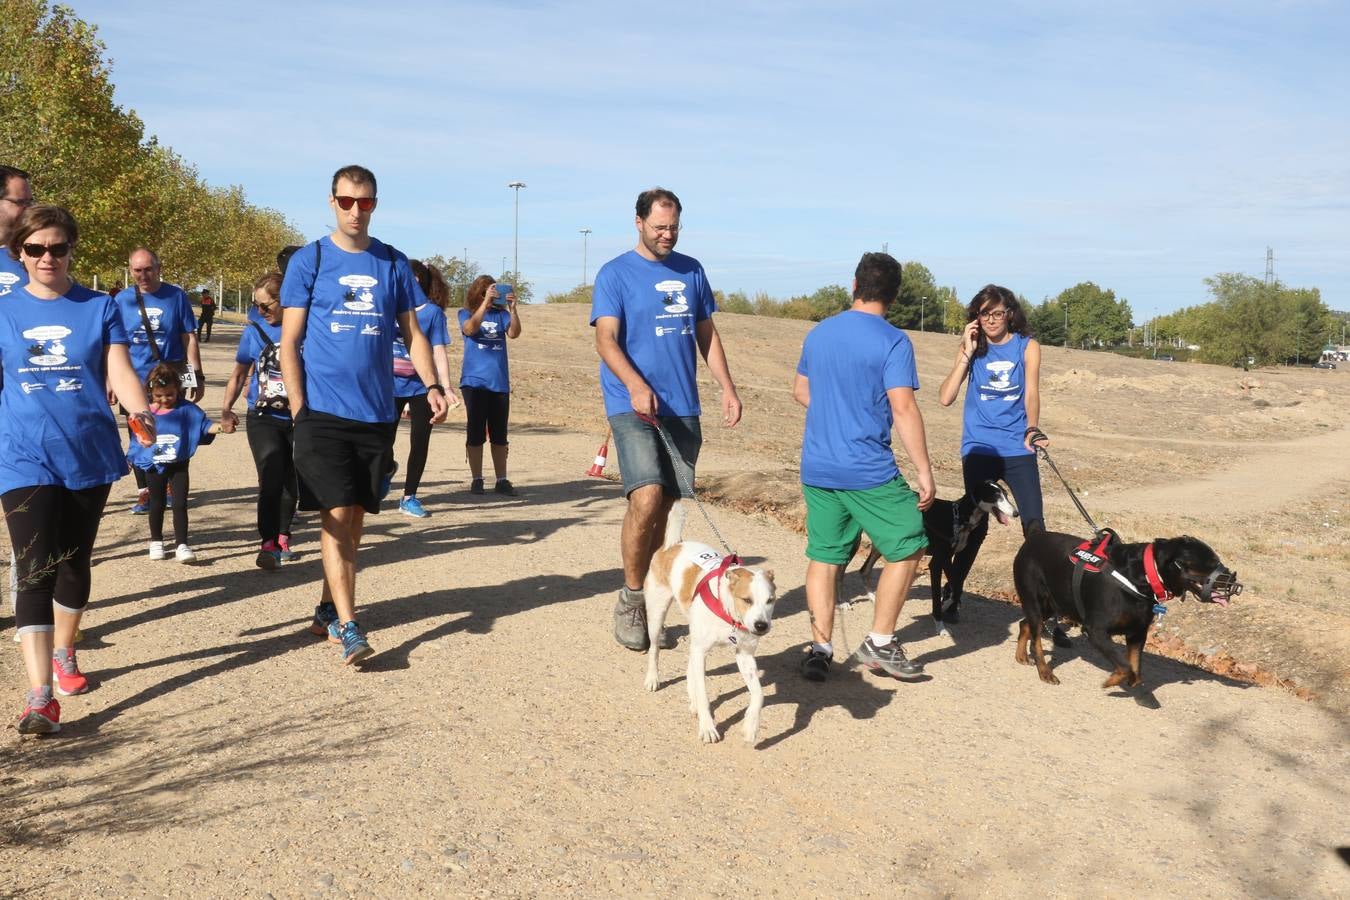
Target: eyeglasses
{"type": "Point", "coordinates": [37, 251]}
{"type": "Point", "coordinates": [993, 315]}
{"type": "Point", "coordinates": [21, 203]}
{"type": "Point", "coordinates": [665, 229]}
{"type": "Point", "coordinates": [365, 204]}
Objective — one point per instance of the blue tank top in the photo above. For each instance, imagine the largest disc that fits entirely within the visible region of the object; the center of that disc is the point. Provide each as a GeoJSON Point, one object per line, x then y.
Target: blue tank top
{"type": "Point", "coordinates": [995, 415]}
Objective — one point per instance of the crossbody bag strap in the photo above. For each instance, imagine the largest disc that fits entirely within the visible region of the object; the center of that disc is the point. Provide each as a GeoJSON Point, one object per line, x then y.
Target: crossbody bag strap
{"type": "Point", "coordinates": [262, 334]}
{"type": "Point", "coordinates": [149, 332]}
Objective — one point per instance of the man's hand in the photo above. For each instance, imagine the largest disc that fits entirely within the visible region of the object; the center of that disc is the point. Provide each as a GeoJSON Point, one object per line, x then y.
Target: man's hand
{"type": "Point", "coordinates": [731, 407]}
{"type": "Point", "coordinates": [643, 400]}
{"type": "Point", "coordinates": [197, 393]}
{"type": "Point", "coordinates": [436, 400]}
{"type": "Point", "coordinates": [228, 418]}
{"type": "Point", "coordinates": [927, 489]}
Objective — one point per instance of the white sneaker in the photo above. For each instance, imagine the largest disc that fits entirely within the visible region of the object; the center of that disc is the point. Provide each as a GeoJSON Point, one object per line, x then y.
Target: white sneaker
{"type": "Point", "coordinates": [184, 554]}
{"type": "Point", "coordinates": [156, 549]}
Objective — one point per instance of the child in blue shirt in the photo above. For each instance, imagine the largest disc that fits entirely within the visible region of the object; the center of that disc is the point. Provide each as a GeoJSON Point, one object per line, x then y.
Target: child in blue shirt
{"type": "Point", "coordinates": [181, 427]}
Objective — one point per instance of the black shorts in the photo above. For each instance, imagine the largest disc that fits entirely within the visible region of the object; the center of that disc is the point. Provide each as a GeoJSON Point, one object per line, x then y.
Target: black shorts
{"type": "Point", "coordinates": [342, 462]}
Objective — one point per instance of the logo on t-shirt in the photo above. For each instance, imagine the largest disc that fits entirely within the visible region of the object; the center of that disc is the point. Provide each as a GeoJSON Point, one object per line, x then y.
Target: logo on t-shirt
{"type": "Point", "coordinates": [338, 327]}
{"type": "Point", "coordinates": [1000, 382]}
{"type": "Point", "coordinates": [7, 282]}
{"type": "Point", "coordinates": [30, 386]}
{"type": "Point", "coordinates": [358, 297]}
{"type": "Point", "coordinates": [69, 384]}
{"type": "Point", "coordinates": [371, 330]}
{"type": "Point", "coordinates": [48, 347]}
{"type": "Point", "coordinates": [166, 448]}
{"type": "Point", "coordinates": [675, 301]}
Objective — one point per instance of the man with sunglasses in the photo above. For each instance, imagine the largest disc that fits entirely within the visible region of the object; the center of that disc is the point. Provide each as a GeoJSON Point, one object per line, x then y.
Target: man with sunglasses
{"type": "Point", "coordinates": [652, 312]}
{"type": "Point", "coordinates": [159, 321]}
{"type": "Point", "coordinates": [16, 196]}
{"type": "Point", "coordinates": [342, 298]}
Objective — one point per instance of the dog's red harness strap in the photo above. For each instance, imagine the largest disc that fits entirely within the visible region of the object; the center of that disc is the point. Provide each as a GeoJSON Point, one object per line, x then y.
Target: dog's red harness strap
{"type": "Point", "coordinates": [1160, 593]}
{"type": "Point", "coordinates": [710, 599]}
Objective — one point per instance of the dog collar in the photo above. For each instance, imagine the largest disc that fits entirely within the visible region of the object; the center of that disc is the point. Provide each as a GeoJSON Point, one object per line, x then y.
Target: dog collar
{"type": "Point", "coordinates": [1160, 593]}
{"type": "Point", "coordinates": [710, 598]}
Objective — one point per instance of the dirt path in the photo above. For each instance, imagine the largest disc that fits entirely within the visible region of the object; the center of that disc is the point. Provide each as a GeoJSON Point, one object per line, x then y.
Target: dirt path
{"type": "Point", "coordinates": [501, 744]}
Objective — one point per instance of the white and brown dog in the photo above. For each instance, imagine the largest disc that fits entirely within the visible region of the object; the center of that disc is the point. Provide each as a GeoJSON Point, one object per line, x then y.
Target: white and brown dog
{"type": "Point", "coordinates": [725, 602]}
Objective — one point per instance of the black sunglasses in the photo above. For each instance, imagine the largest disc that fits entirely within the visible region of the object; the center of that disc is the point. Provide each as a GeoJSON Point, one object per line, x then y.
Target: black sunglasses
{"type": "Point", "coordinates": [37, 251]}
{"type": "Point", "coordinates": [365, 204]}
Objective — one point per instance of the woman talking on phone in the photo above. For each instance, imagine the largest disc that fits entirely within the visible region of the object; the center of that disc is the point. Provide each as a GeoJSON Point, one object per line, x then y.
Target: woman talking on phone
{"type": "Point", "coordinates": [1000, 363]}
{"type": "Point", "coordinates": [488, 318]}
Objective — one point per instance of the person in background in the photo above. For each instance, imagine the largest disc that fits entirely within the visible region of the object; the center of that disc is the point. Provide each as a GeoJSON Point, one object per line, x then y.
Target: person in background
{"type": "Point", "coordinates": [410, 393]}
{"type": "Point", "coordinates": [487, 320]}
{"type": "Point", "coordinates": [61, 345]}
{"type": "Point", "coordinates": [208, 316]}
{"type": "Point", "coordinates": [270, 430]}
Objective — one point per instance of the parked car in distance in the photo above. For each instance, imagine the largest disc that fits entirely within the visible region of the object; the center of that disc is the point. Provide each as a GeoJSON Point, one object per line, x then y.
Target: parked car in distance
{"type": "Point", "coordinates": [1165, 358]}
{"type": "Point", "coordinates": [1324, 364]}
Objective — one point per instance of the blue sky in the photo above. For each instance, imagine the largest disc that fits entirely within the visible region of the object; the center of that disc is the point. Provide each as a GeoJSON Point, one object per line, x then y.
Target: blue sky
{"type": "Point", "coordinates": [1142, 146]}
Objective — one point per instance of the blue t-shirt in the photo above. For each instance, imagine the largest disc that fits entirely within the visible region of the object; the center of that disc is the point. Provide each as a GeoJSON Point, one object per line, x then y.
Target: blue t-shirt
{"type": "Point", "coordinates": [170, 314]}
{"type": "Point", "coordinates": [658, 305]}
{"type": "Point", "coordinates": [484, 364]}
{"type": "Point", "coordinates": [178, 434]}
{"type": "Point", "coordinates": [253, 351]}
{"type": "Point", "coordinates": [12, 273]}
{"type": "Point", "coordinates": [353, 318]}
{"type": "Point", "coordinates": [431, 319]}
{"type": "Point", "coordinates": [57, 427]}
{"type": "Point", "coordinates": [851, 360]}
{"type": "Point", "coordinates": [994, 420]}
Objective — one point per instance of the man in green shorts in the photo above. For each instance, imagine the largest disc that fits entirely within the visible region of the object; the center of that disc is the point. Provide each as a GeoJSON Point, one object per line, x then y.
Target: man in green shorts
{"type": "Point", "coordinates": [856, 378]}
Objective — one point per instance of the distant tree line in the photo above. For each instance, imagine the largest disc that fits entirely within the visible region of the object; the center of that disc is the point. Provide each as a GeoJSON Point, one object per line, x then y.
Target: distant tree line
{"type": "Point", "coordinates": [59, 121]}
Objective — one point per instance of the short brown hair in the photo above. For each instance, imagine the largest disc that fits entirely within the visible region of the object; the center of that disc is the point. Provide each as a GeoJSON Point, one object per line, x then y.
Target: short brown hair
{"type": "Point", "coordinates": [36, 218]}
{"type": "Point", "coordinates": [269, 284]}
{"type": "Point", "coordinates": [356, 175]}
{"type": "Point", "coordinates": [162, 376]}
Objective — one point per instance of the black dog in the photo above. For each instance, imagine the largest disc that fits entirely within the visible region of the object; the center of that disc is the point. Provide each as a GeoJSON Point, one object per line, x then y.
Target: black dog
{"type": "Point", "coordinates": [949, 526]}
{"type": "Point", "coordinates": [1115, 593]}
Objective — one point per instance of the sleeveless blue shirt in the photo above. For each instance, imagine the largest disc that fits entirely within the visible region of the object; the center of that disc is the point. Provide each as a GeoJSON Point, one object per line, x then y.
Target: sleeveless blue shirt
{"type": "Point", "coordinates": [995, 415]}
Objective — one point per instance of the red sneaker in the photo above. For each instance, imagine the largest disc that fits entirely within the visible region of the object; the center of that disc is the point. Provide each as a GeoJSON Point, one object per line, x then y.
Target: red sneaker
{"type": "Point", "coordinates": [66, 673]}
{"type": "Point", "coordinates": [40, 719]}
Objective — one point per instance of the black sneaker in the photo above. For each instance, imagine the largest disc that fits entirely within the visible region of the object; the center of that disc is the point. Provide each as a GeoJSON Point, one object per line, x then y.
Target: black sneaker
{"type": "Point", "coordinates": [505, 487]}
{"type": "Point", "coordinates": [815, 665]}
{"type": "Point", "coordinates": [476, 486]}
{"type": "Point", "coordinates": [889, 659]}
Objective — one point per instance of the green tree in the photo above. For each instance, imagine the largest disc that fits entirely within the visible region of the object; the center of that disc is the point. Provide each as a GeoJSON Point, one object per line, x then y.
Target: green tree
{"type": "Point", "coordinates": [524, 290]}
{"type": "Point", "coordinates": [829, 300]}
{"type": "Point", "coordinates": [918, 298]}
{"type": "Point", "coordinates": [1046, 320]}
{"type": "Point", "coordinates": [579, 294]}
{"type": "Point", "coordinates": [735, 302]}
{"type": "Point", "coordinates": [1096, 317]}
{"type": "Point", "coordinates": [458, 273]}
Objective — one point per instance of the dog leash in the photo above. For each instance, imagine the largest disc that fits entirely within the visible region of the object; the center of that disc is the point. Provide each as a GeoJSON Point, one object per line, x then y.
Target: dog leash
{"type": "Point", "coordinates": [1045, 455]}
{"type": "Point", "coordinates": [684, 482]}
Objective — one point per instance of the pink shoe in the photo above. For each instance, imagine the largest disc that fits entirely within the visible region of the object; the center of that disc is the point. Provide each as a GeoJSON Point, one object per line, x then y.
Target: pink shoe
{"type": "Point", "coordinates": [66, 672]}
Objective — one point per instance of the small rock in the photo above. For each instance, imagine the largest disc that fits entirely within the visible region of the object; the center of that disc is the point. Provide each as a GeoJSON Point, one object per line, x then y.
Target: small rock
{"type": "Point", "coordinates": [406, 865]}
{"type": "Point", "coordinates": [326, 879]}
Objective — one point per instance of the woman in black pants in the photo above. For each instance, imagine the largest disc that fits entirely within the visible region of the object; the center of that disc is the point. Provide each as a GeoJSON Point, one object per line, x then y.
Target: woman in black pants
{"type": "Point", "coordinates": [60, 450]}
{"type": "Point", "coordinates": [488, 318]}
{"type": "Point", "coordinates": [409, 391]}
{"type": "Point", "coordinates": [269, 422]}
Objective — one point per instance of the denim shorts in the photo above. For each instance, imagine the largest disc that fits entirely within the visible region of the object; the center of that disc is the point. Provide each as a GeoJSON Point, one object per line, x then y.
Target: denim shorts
{"type": "Point", "coordinates": [643, 458]}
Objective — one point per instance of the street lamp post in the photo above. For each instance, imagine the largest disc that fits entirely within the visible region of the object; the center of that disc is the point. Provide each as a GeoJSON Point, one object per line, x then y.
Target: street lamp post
{"type": "Point", "coordinates": [922, 301]}
{"type": "Point", "coordinates": [585, 236]}
{"type": "Point", "coordinates": [515, 268]}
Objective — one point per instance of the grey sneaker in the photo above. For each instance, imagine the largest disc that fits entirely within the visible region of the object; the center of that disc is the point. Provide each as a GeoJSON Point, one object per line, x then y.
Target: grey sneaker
{"type": "Point", "coordinates": [630, 620]}
{"type": "Point", "coordinates": [889, 659]}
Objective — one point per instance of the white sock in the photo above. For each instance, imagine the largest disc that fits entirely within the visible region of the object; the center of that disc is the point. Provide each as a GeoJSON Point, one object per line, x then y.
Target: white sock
{"type": "Point", "coordinates": [827, 648]}
{"type": "Point", "coordinates": [879, 640]}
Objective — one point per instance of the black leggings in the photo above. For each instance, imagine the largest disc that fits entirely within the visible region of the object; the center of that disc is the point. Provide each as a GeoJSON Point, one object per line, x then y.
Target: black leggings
{"type": "Point", "coordinates": [419, 439]}
{"type": "Point", "coordinates": [174, 477]}
{"type": "Point", "coordinates": [52, 530]}
{"type": "Point", "coordinates": [487, 412]}
{"type": "Point", "coordinates": [272, 441]}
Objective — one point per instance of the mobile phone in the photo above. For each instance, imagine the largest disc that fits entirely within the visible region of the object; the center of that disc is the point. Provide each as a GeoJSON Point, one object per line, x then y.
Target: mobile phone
{"type": "Point", "coordinates": [502, 291]}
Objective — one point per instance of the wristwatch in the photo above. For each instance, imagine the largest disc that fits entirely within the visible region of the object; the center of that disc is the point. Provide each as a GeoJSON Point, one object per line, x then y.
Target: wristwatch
{"type": "Point", "coordinates": [436, 387]}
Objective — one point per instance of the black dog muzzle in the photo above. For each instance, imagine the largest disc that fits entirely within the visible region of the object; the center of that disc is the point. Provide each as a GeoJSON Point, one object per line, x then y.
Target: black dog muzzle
{"type": "Point", "coordinates": [1221, 586]}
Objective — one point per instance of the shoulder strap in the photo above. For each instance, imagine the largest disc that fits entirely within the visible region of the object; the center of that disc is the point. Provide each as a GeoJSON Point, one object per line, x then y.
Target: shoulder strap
{"type": "Point", "coordinates": [262, 334]}
{"type": "Point", "coordinates": [318, 257]}
{"type": "Point", "coordinates": [149, 332]}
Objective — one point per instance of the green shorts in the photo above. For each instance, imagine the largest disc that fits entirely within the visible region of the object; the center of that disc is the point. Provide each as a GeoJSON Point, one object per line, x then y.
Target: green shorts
{"type": "Point", "coordinates": [889, 513]}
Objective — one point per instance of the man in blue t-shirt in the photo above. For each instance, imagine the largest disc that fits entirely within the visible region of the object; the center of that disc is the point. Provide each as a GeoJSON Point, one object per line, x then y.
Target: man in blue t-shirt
{"type": "Point", "coordinates": [857, 378]}
{"type": "Point", "coordinates": [16, 195]}
{"type": "Point", "coordinates": [342, 299]}
{"type": "Point", "coordinates": [159, 322]}
{"type": "Point", "coordinates": [652, 311]}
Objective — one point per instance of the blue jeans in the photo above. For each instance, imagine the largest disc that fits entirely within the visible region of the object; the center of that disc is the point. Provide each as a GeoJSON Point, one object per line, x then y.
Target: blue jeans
{"type": "Point", "coordinates": [643, 458]}
{"type": "Point", "coordinates": [1022, 476]}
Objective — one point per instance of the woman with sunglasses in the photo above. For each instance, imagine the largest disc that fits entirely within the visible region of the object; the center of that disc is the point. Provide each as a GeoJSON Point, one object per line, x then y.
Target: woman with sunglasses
{"type": "Point", "coordinates": [271, 433]}
{"type": "Point", "coordinates": [1000, 364]}
{"type": "Point", "coordinates": [60, 450]}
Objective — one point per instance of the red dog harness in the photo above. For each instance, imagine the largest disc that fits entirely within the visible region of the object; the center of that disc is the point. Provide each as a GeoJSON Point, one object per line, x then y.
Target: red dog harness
{"type": "Point", "coordinates": [1093, 555]}
{"type": "Point", "coordinates": [709, 596]}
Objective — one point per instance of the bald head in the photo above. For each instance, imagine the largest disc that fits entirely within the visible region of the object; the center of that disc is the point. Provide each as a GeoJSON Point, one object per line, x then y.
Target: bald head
{"type": "Point", "coordinates": [144, 266]}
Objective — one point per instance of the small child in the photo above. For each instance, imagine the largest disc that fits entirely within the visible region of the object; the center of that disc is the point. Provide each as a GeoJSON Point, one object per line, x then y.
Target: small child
{"type": "Point", "coordinates": [181, 427]}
